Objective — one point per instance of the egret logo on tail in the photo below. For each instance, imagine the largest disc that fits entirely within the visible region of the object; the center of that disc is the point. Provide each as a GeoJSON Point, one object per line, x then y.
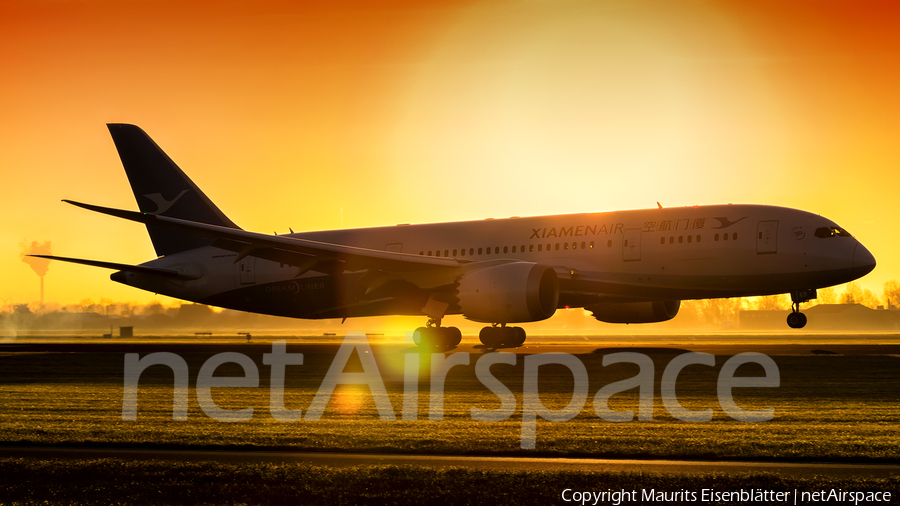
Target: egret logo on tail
{"type": "Point", "coordinates": [163, 205]}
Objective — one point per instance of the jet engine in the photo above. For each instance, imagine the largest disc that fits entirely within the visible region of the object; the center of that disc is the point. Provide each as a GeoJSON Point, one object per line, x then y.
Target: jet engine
{"type": "Point", "coordinates": [636, 312]}
{"type": "Point", "coordinates": [508, 293]}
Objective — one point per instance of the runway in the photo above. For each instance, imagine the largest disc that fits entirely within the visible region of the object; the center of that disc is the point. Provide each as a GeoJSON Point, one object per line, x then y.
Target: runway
{"type": "Point", "coordinates": [717, 344]}
{"type": "Point", "coordinates": [684, 467]}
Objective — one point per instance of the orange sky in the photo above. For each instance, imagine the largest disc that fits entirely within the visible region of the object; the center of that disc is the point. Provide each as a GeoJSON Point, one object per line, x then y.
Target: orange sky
{"type": "Point", "coordinates": [318, 115]}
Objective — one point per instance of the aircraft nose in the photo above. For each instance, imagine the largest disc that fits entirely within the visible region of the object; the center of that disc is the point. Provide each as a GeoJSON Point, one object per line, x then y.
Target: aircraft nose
{"type": "Point", "coordinates": [862, 258]}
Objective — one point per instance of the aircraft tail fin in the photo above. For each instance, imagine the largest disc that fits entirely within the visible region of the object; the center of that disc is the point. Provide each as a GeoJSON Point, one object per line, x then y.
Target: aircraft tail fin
{"type": "Point", "coordinates": [161, 188]}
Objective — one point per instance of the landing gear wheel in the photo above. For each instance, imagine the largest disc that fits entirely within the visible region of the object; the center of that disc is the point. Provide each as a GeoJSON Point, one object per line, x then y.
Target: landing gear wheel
{"type": "Point", "coordinates": [437, 337]}
{"type": "Point", "coordinates": [424, 337]}
{"type": "Point", "coordinates": [490, 337]}
{"type": "Point", "coordinates": [518, 337]}
{"type": "Point", "coordinates": [453, 336]}
{"type": "Point", "coordinates": [796, 320]}
{"type": "Point", "coordinates": [503, 336]}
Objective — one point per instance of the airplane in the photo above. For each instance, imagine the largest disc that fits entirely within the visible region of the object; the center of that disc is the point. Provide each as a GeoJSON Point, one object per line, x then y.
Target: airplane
{"type": "Point", "coordinates": [633, 266]}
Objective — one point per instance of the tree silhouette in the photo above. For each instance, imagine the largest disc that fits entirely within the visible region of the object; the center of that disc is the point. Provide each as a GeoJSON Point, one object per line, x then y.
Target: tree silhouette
{"type": "Point", "coordinates": [770, 302]}
{"type": "Point", "coordinates": [87, 306]}
{"type": "Point", "coordinates": [892, 293]}
{"type": "Point", "coordinates": [826, 295]}
{"type": "Point", "coordinates": [107, 306]}
{"type": "Point", "coordinates": [126, 309]}
{"type": "Point", "coordinates": [855, 294]}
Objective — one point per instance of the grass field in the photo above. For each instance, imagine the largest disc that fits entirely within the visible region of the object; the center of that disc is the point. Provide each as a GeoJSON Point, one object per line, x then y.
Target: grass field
{"type": "Point", "coordinates": [827, 407]}
{"type": "Point", "coordinates": [111, 481]}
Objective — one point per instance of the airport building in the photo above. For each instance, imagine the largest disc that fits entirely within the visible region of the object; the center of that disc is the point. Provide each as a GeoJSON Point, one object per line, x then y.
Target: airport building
{"type": "Point", "coordinates": [827, 317]}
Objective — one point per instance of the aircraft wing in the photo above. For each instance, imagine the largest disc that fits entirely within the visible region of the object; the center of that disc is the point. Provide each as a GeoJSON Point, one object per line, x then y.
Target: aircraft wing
{"type": "Point", "coordinates": [289, 250]}
{"type": "Point", "coordinates": [120, 267]}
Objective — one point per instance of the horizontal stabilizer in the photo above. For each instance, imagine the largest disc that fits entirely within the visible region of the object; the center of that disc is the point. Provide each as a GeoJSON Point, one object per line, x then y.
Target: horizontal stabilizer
{"type": "Point", "coordinates": [120, 267]}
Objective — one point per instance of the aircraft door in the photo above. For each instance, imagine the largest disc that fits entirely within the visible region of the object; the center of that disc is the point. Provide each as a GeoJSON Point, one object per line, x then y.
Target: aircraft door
{"type": "Point", "coordinates": [247, 268]}
{"type": "Point", "coordinates": [631, 245]}
{"type": "Point", "coordinates": [767, 237]}
{"type": "Point", "coordinates": [396, 247]}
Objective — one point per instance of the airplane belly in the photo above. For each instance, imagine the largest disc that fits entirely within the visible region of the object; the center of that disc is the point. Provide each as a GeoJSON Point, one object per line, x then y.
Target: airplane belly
{"type": "Point", "coordinates": [322, 296]}
{"type": "Point", "coordinates": [593, 287]}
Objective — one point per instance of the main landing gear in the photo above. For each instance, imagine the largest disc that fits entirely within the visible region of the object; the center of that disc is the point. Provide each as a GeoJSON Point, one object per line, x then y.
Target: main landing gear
{"type": "Point", "coordinates": [432, 335]}
{"type": "Point", "coordinates": [797, 320]}
{"type": "Point", "coordinates": [502, 336]}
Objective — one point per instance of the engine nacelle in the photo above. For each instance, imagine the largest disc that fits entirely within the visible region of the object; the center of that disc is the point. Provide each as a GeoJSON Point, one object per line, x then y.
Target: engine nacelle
{"type": "Point", "coordinates": [636, 312]}
{"type": "Point", "coordinates": [509, 293]}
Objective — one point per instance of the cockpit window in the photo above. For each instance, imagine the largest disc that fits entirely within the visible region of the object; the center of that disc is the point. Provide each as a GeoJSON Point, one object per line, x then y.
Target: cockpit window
{"type": "Point", "coordinates": [824, 232]}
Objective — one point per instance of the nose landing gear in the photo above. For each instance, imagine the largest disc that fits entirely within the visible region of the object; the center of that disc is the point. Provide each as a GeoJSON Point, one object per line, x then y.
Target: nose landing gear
{"type": "Point", "coordinates": [432, 335]}
{"type": "Point", "coordinates": [502, 336]}
{"type": "Point", "coordinates": [797, 320]}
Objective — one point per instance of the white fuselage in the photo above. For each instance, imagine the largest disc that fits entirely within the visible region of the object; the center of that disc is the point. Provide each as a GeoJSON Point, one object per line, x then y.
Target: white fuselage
{"type": "Point", "coordinates": [654, 254]}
